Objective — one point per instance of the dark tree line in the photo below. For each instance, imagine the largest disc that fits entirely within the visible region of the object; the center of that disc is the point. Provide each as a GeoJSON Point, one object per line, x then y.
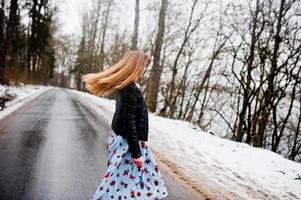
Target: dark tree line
{"type": "Point", "coordinates": [26, 52]}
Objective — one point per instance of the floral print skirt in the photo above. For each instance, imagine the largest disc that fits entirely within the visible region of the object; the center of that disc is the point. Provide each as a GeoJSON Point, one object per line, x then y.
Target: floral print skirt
{"type": "Point", "coordinates": [123, 179]}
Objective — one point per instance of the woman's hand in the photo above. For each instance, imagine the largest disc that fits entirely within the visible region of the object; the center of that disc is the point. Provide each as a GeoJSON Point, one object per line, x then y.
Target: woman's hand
{"type": "Point", "coordinates": [139, 161]}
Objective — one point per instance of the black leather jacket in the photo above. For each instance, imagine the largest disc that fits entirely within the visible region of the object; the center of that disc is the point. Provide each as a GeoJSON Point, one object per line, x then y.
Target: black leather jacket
{"type": "Point", "coordinates": [130, 119]}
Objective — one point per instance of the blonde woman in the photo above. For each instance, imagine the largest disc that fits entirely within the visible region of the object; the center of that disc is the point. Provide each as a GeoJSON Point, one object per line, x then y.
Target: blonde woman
{"type": "Point", "coordinates": [132, 172]}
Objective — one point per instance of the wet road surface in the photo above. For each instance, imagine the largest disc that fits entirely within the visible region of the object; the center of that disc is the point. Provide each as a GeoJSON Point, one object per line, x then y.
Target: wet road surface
{"type": "Point", "coordinates": [54, 148]}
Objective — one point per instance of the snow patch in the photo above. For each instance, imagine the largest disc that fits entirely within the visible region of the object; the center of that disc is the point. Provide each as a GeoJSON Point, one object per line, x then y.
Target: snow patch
{"type": "Point", "coordinates": [23, 94]}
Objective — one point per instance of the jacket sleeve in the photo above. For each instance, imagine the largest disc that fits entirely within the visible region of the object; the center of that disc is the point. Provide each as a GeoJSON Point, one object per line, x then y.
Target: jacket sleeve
{"type": "Point", "coordinates": [130, 101]}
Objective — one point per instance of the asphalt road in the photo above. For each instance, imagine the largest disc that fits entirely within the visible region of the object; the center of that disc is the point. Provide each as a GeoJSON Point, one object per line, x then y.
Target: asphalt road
{"type": "Point", "coordinates": [54, 148]}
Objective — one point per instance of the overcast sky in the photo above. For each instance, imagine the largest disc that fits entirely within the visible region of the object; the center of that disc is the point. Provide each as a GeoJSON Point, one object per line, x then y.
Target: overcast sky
{"type": "Point", "coordinates": [69, 13]}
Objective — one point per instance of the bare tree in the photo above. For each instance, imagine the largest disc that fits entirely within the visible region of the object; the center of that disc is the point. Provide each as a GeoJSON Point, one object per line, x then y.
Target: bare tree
{"type": "Point", "coordinates": [246, 80]}
{"type": "Point", "coordinates": [104, 28]}
{"type": "Point", "coordinates": [296, 146]}
{"type": "Point", "coordinates": [271, 93]}
{"type": "Point", "coordinates": [220, 41]}
{"type": "Point", "coordinates": [94, 29]}
{"type": "Point", "coordinates": [136, 25]}
{"type": "Point", "coordinates": [153, 87]}
{"type": "Point", "coordinates": [191, 27]}
{"type": "Point", "coordinates": [2, 39]}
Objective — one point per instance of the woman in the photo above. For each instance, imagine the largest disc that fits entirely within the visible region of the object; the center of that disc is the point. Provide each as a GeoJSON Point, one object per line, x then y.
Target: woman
{"type": "Point", "coordinates": [132, 172]}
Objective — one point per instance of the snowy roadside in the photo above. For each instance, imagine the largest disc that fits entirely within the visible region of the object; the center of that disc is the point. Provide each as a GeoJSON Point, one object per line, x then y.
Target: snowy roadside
{"type": "Point", "coordinates": [23, 93]}
{"type": "Point", "coordinates": [229, 170]}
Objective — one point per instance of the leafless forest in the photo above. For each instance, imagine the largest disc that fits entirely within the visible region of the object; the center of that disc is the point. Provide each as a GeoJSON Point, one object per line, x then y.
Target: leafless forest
{"type": "Point", "coordinates": [230, 67]}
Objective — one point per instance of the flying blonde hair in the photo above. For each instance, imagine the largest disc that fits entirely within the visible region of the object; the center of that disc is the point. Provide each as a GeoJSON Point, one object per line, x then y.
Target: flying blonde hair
{"type": "Point", "coordinates": [124, 72]}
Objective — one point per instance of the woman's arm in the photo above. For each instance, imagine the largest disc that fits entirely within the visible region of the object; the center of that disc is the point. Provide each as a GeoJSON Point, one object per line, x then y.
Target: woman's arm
{"type": "Point", "coordinates": [130, 101]}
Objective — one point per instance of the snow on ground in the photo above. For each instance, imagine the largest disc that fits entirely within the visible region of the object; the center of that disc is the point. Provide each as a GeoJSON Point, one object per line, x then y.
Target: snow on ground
{"type": "Point", "coordinates": [22, 93]}
{"type": "Point", "coordinates": [248, 172]}
{"type": "Point", "coordinates": [232, 170]}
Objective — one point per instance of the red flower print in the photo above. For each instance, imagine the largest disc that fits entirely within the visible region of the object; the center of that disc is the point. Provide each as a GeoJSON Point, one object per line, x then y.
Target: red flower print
{"type": "Point", "coordinates": [114, 151]}
{"type": "Point", "coordinates": [132, 177]}
{"type": "Point", "coordinates": [108, 163]}
{"type": "Point", "coordinates": [120, 197]}
{"type": "Point", "coordinates": [112, 183]}
{"type": "Point", "coordinates": [132, 193]}
{"type": "Point", "coordinates": [107, 175]}
{"type": "Point", "coordinates": [149, 194]}
{"type": "Point", "coordinates": [123, 184]}
{"type": "Point", "coordinates": [126, 172]}
{"type": "Point", "coordinates": [156, 168]}
{"type": "Point", "coordinates": [142, 185]}
{"type": "Point", "coordinates": [145, 170]}
{"type": "Point", "coordinates": [138, 194]}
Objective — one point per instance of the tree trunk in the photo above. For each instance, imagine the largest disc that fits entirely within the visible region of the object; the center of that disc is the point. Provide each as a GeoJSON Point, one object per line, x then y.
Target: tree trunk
{"type": "Point", "coordinates": [136, 25]}
{"type": "Point", "coordinates": [246, 87]}
{"type": "Point", "coordinates": [12, 32]}
{"type": "Point", "coordinates": [153, 88]}
{"type": "Point", "coordinates": [103, 36]}
{"type": "Point", "coordinates": [296, 144]}
{"type": "Point", "coordinates": [94, 32]}
{"type": "Point", "coordinates": [2, 39]}
{"type": "Point", "coordinates": [269, 93]}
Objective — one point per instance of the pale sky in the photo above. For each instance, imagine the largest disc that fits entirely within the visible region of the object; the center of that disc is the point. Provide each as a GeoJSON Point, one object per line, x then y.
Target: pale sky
{"type": "Point", "coordinates": [69, 13]}
{"type": "Point", "coordinates": [69, 16]}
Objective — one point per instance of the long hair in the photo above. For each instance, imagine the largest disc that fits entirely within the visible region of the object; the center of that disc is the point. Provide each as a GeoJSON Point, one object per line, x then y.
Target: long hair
{"type": "Point", "coordinates": [124, 72]}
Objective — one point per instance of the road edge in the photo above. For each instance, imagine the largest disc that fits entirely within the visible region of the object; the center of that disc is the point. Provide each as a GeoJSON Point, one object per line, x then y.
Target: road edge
{"type": "Point", "coordinates": [21, 102]}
